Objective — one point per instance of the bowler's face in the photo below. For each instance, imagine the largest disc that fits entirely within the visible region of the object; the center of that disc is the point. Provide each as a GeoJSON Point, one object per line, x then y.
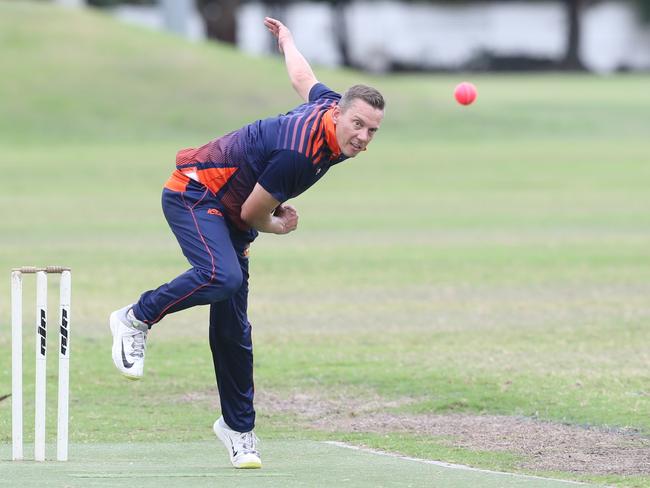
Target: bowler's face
{"type": "Point", "coordinates": [356, 126]}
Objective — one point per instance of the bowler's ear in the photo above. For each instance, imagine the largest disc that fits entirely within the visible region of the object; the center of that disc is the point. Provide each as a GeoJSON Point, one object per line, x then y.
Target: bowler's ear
{"type": "Point", "coordinates": [336, 113]}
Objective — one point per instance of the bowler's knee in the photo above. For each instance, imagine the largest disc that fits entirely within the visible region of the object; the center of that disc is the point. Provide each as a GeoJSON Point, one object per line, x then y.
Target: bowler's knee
{"type": "Point", "coordinates": [230, 281]}
{"type": "Point", "coordinates": [219, 285]}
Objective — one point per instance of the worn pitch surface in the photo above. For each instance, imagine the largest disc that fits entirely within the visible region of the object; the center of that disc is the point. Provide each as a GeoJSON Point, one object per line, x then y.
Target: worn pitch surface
{"type": "Point", "coordinates": [286, 464]}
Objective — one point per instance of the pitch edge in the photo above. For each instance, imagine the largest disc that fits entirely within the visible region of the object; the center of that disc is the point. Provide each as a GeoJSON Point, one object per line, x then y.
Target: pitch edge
{"type": "Point", "coordinates": [449, 465]}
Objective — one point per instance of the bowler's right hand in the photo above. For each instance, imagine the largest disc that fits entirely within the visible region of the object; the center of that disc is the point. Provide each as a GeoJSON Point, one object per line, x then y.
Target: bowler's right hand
{"type": "Point", "coordinates": [288, 217]}
{"type": "Point", "coordinates": [279, 30]}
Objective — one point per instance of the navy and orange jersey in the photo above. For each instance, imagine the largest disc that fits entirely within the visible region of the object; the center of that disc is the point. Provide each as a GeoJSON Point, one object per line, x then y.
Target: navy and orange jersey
{"type": "Point", "coordinates": [285, 154]}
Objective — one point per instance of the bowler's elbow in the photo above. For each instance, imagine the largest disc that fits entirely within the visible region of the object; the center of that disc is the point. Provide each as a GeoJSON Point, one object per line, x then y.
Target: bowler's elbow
{"type": "Point", "coordinates": [257, 208]}
{"type": "Point", "coordinates": [246, 215]}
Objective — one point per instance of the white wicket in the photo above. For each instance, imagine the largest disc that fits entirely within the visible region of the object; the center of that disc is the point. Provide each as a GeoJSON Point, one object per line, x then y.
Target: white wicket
{"type": "Point", "coordinates": [64, 367]}
{"type": "Point", "coordinates": [17, 365]}
{"type": "Point", "coordinates": [41, 361]}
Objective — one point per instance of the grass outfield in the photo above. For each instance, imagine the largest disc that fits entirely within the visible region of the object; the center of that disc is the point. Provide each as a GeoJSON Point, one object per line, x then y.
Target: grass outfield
{"type": "Point", "coordinates": [490, 259]}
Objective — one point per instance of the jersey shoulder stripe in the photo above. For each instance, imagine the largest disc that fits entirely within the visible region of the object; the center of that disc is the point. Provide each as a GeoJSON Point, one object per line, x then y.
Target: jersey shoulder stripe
{"type": "Point", "coordinates": [303, 131]}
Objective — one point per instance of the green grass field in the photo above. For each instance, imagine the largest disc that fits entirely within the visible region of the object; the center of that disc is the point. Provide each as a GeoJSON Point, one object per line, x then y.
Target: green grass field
{"type": "Point", "coordinates": [484, 260]}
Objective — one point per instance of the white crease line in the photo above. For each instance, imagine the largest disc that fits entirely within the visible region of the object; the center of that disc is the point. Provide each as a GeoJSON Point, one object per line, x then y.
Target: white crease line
{"type": "Point", "coordinates": [448, 465]}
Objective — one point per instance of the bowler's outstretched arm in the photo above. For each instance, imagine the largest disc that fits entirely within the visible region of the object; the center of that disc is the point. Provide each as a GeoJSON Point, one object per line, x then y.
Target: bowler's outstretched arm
{"type": "Point", "coordinates": [300, 73]}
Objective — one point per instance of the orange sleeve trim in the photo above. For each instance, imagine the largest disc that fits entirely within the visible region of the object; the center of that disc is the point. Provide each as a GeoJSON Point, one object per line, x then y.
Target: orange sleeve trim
{"type": "Point", "coordinates": [177, 181]}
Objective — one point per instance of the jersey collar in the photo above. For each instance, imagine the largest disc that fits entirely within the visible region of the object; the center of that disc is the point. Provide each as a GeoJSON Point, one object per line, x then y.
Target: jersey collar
{"type": "Point", "coordinates": [330, 134]}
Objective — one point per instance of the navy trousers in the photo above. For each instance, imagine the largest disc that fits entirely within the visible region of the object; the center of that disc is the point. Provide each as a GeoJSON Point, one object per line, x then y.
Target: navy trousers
{"type": "Point", "coordinates": [219, 278]}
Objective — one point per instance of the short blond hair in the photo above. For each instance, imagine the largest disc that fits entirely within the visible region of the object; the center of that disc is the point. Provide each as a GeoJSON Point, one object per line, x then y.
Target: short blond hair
{"type": "Point", "coordinates": [362, 92]}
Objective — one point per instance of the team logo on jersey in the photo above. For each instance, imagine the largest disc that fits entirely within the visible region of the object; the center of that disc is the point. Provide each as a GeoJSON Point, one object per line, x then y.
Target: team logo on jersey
{"type": "Point", "coordinates": [214, 211]}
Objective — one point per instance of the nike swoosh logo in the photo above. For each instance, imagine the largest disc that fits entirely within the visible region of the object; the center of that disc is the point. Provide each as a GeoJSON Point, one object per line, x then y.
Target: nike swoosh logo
{"type": "Point", "coordinates": [232, 446]}
{"type": "Point", "coordinates": [124, 361]}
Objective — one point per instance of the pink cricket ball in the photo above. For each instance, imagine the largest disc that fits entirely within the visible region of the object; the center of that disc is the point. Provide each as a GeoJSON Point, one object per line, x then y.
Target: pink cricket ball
{"type": "Point", "coordinates": [465, 93]}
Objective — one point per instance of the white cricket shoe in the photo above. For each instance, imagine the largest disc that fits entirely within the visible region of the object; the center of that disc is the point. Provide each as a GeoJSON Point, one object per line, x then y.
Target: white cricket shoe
{"type": "Point", "coordinates": [129, 342]}
{"type": "Point", "coordinates": [240, 445]}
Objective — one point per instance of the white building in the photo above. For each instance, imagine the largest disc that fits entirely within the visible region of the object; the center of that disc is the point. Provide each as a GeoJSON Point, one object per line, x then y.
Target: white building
{"type": "Point", "coordinates": [450, 36]}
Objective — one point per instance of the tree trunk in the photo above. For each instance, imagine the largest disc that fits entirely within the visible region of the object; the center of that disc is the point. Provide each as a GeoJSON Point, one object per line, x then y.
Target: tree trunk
{"type": "Point", "coordinates": [220, 19]}
{"type": "Point", "coordinates": [341, 32]}
{"type": "Point", "coordinates": [572, 59]}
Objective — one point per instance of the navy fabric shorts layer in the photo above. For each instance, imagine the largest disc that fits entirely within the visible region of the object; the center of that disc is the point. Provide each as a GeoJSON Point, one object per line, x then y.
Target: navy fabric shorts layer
{"type": "Point", "coordinates": [218, 277]}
